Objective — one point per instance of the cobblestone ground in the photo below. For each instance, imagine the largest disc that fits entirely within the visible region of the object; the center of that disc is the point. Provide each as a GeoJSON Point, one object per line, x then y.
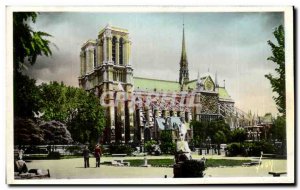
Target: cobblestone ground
{"type": "Point", "coordinates": [73, 168]}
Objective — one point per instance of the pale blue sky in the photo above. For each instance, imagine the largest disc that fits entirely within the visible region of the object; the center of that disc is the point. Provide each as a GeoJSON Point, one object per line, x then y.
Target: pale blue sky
{"type": "Point", "coordinates": [232, 44]}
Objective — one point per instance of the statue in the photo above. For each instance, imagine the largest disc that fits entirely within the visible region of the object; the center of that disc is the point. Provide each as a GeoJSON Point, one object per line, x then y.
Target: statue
{"type": "Point", "coordinates": [183, 151]}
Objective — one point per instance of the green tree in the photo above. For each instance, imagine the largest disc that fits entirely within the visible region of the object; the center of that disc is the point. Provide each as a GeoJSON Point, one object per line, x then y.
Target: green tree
{"type": "Point", "coordinates": [199, 132]}
{"type": "Point", "coordinates": [167, 145]}
{"type": "Point", "coordinates": [278, 130]}
{"type": "Point", "coordinates": [220, 137]}
{"type": "Point", "coordinates": [278, 57]}
{"type": "Point", "coordinates": [26, 96]}
{"type": "Point", "coordinates": [238, 135]}
{"type": "Point", "coordinates": [79, 109]}
{"type": "Point", "coordinates": [27, 46]}
{"type": "Point", "coordinates": [203, 129]}
{"type": "Point", "coordinates": [27, 43]}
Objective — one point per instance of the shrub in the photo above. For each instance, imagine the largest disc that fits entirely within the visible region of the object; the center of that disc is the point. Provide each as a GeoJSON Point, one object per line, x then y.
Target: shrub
{"type": "Point", "coordinates": [149, 145]}
{"type": "Point", "coordinates": [192, 168]}
{"type": "Point", "coordinates": [120, 149]}
{"type": "Point", "coordinates": [250, 149]}
{"type": "Point", "coordinates": [255, 148]}
{"type": "Point", "coordinates": [168, 147]}
{"type": "Point", "coordinates": [235, 149]}
{"type": "Point", "coordinates": [54, 155]}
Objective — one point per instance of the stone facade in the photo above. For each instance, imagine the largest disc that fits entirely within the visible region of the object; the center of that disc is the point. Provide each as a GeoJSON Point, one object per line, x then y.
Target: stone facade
{"type": "Point", "coordinates": [138, 109]}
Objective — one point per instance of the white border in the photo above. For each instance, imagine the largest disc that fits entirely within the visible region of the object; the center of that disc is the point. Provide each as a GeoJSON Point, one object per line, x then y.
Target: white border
{"type": "Point", "coordinates": [236, 180]}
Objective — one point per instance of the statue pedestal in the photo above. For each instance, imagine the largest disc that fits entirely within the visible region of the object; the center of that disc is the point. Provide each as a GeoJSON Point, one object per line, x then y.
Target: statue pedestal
{"type": "Point", "coordinates": [146, 162]}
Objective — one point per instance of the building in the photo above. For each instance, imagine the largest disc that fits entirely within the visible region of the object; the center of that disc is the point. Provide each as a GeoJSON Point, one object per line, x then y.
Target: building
{"type": "Point", "coordinates": [138, 109]}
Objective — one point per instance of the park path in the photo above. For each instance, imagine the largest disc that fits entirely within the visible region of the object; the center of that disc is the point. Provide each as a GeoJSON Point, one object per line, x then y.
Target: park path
{"type": "Point", "coordinates": [73, 168]}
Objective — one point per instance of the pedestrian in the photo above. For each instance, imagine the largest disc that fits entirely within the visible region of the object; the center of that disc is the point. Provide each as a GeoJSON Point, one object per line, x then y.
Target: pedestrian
{"type": "Point", "coordinates": [86, 156]}
{"type": "Point", "coordinates": [98, 154]}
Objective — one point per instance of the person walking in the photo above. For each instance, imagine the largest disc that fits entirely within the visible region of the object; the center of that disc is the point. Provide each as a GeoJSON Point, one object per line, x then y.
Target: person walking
{"type": "Point", "coordinates": [98, 154]}
{"type": "Point", "coordinates": [86, 156]}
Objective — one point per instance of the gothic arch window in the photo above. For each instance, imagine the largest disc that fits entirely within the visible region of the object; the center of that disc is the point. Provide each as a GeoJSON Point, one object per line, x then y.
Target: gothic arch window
{"type": "Point", "coordinates": [121, 51]}
{"type": "Point", "coordinates": [114, 41]}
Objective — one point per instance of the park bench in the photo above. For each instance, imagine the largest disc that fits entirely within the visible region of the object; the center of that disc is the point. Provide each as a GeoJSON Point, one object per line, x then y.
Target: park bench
{"type": "Point", "coordinates": [277, 174]}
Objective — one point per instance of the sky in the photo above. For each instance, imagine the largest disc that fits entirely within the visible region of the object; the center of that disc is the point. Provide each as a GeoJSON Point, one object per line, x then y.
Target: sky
{"type": "Point", "coordinates": [232, 44]}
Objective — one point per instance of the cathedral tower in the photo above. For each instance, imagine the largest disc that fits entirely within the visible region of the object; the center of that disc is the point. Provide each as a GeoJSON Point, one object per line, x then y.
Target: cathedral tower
{"type": "Point", "coordinates": [184, 70]}
{"type": "Point", "coordinates": [106, 70]}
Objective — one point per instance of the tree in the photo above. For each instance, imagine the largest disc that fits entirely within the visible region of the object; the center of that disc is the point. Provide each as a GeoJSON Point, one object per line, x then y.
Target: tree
{"type": "Point", "coordinates": [278, 57]}
{"type": "Point", "coordinates": [220, 137]}
{"type": "Point", "coordinates": [278, 130]}
{"type": "Point", "coordinates": [199, 131]}
{"type": "Point", "coordinates": [27, 43]}
{"type": "Point", "coordinates": [79, 109]}
{"type": "Point", "coordinates": [26, 96]}
{"type": "Point", "coordinates": [167, 145]}
{"type": "Point", "coordinates": [238, 135]}
{"type": "Point", "coordinates": [27, 46]}
{"type": "Point", "coordinates": [203, 129]}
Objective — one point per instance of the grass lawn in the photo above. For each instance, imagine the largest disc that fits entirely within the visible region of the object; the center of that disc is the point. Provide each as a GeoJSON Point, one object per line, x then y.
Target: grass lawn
{"type": "Point", "coordinates": [170, 162]}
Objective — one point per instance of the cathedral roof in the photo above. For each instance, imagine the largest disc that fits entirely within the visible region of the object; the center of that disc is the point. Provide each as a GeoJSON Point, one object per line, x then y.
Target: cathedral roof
{"type": "Point", "coordinates": [155, 84]}
{"type": "Point", "coordinates": [223, 94]}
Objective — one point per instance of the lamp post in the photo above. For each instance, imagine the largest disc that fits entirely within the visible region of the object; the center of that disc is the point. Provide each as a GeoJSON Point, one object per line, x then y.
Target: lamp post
{"type": "Point", "coordinates": [208, 140]}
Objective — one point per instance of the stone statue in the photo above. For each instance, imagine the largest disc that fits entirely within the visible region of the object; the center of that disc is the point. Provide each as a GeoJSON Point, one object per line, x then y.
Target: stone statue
{"type": "Point", "coordinates": [183, 151]}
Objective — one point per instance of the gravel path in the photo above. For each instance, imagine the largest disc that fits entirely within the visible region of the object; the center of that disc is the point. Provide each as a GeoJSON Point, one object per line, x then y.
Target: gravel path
{"type": "Point", "coordinates": [73, 168]}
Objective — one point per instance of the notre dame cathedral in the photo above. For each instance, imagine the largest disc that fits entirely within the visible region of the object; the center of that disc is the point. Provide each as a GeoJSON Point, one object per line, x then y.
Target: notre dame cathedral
{"type": "Point", "coordinates": [138, 109]}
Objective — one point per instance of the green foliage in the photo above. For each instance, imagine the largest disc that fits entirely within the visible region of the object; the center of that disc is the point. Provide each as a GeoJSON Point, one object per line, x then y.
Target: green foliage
{"type": "Point", "coordinates": [170, 162]}
{"type": "Point", "coordinates": [120, 149]}
{"type": "Point", "coordinates": [224, 162]}
{"type": "Point", "coordinates": [199, 131]}
{"type": "Point", "coordinates": [152, 162]}
{"type": "Point", "coordinates": [250, 148]}
{"type": "Point", "coordinates": [278, 57]}
{"type": "Point", "coordinates": [238, 135]}
{"type": "Point", "coordinates": [77, 108]}
{"type": "Point", "coordinates": [167, 145]}
{"type": "Point", "coordinates": [218, 131]}
{"type": "Point", "coordinates": [278, 130]}
{"type": "Point", "coordinates": [27, 43]}
{"type": "Point", "coordinates": [235, 149]}
{"type": "Point", "coordinates": [27, 46]}
{"type": "Point", "coordinates": [26, 96]}
{"type": "Point", "coordinates": [220, 137]}
{"type": "Point", "coordinates": [255, 148]}
{"type": "Point", "coordinates": [149, 145]}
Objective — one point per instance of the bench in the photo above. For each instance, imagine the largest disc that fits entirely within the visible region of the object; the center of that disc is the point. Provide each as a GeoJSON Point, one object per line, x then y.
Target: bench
{"type": "Point", "coordinates": [277, 174]}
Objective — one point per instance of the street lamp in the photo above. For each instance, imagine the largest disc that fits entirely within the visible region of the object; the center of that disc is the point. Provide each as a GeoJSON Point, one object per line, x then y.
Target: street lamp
{"type": "Point", "coordinates": [208, 140]}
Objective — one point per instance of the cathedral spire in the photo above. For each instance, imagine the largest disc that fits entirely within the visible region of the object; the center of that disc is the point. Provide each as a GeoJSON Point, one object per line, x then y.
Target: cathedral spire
{"type": "Point", "coordinates": [216, 80]}
{"type": "Point", "coordinates": [184, 71]}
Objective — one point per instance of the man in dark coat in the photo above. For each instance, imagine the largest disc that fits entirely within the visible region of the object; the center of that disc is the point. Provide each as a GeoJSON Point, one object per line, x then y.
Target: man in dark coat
{"type": "Point", "coordinates": [97, 155]}
{"type": "Point", "coordinates": [86, 156]}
